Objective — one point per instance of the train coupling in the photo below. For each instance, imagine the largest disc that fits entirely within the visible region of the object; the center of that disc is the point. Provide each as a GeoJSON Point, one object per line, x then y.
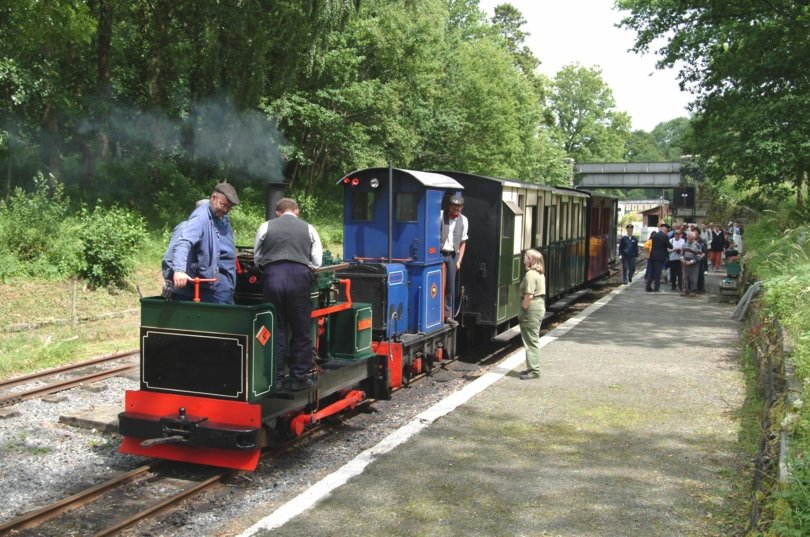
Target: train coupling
{"type": "Point", "coordinates": [182, 429]}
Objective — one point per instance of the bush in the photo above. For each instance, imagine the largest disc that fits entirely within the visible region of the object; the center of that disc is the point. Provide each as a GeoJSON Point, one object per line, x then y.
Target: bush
{"type": "Point", "coordinates": [38, 233]}
{"type": "Point", "coordinates": [110, 238]}
{"type": "Point", "coordinates": [9, 265]}
{"type": "Point", "coordinates": [31, 221]}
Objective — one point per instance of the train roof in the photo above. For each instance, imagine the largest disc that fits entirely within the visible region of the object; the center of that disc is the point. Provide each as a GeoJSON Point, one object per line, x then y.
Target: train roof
{"type": "Point", "coordinates": [524, 184]}
{"type": "Point", "coordinates": [429, 179]}
{"type": "Point", "coordinates": [590, 193]}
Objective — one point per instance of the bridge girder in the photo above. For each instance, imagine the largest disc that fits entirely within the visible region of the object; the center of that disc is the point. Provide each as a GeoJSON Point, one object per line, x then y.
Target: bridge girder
{"type": "Point", "coordinates": [628, 174]}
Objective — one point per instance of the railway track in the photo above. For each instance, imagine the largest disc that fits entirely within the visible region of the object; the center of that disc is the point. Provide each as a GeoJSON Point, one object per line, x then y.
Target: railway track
{"type": "Point", "coordinates": [8, 399]}
{"type": "Point", "coordinates": [116, 504]}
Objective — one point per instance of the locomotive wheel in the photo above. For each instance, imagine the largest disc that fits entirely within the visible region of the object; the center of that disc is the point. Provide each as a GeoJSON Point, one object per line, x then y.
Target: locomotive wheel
{"type": "Point", "coordinates": [407, 375]}
{"type": "Point", "coordinates": [429, 360]}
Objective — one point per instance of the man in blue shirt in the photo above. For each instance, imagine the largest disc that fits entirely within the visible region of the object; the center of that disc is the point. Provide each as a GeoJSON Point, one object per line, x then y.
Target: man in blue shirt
{"type": "Point", "coordinates": [628, 250]}
{"type": "Point", "coordinates": [205, 248]}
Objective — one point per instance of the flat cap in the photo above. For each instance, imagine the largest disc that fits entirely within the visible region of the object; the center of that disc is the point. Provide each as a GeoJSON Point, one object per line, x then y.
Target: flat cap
{"type": "Point", "coordinates": [456, 200]}
{"type": "Point", "coordinates": [227, 190]}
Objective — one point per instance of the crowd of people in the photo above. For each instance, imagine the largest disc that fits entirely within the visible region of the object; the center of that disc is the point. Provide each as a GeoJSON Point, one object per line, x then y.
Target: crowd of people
{"type": "Point", "coordinates": [687, 253]}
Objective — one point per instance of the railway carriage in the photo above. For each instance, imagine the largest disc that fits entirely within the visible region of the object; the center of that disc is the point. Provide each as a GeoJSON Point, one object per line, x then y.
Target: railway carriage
{"type": "Point", "coordinates": [208, 392]}
{"type": "Point", "coordinates": [572, 228]}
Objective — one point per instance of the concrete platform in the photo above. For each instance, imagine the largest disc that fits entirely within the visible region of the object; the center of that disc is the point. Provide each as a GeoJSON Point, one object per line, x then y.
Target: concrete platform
{"type": "Point", "coordinates": [102, 418]}
{"type": "Point", "coordinates": [631, 430]}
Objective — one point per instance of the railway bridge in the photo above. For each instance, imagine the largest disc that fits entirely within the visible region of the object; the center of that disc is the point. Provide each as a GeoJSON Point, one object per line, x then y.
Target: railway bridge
{"type": "Point", "coordinates": [685, 202]}
{"type": "Point", "coordinates": [628, 174]}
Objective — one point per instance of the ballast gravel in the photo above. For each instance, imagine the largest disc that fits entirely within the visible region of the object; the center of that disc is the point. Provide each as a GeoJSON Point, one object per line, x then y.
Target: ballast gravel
{"type": "Point", "coordinates": [43, 460]}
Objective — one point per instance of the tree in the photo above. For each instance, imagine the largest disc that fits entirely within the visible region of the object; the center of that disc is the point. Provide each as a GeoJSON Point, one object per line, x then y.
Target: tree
{"type": "Point", "coordinates": [585, 115]}
{"type": "Point", "coordinates": [671, 136]}
{"type": "Point", "coordinates": [746, 63]}
{"type": "Point", "coordinates": [509, 22]}
{"type": "Point", "coordinates": [43, 72]}
{"type": "Point", "coordinates": [641, 146]}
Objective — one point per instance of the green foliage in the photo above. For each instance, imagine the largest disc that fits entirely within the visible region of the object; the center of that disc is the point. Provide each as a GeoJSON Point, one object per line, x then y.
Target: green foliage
{"type": "Point", "coordinates": [778, 252]}
{"type": "Point", "coordinates": [325, 214]}
{"type": "Point", "coordinates": [665, 143]}
{"type": "Point", "coordinates": [792, 513]}
{"type": "Point", "coordinates": [109, 238]}
{"type": "Point", "coordinates": [31, 221]}
{"type": "Point", "coordinates": [38, 233]}
{"type": "Point", "coordinates": [746, 65]}
{"type": "Point", "coordinates": [245, 219]}
{"type": "Point", "coordinates": [590, 126]}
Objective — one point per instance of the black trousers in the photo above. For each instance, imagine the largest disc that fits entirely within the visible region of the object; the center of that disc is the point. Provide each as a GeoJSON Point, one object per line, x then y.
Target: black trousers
{"type": "Point", "coordinates": [288, 286]}
{"type": "Point", "coordinates": [450, 284]}
{"type": "Point", "coordinates": [654, 279]}
{"type": "Point", "coordinates": [676, 274]}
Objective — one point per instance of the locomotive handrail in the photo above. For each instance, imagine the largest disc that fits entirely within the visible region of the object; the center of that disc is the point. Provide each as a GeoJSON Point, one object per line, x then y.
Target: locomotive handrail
{"type": "Point", "coordinates": [347, 284]}
{"type": "Point", "coordinates": [332, 268]}
{"type": "Point", "coordinates": [384, 259]}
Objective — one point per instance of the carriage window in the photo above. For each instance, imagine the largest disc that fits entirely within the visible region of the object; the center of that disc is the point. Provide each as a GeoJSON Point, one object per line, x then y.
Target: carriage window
{"type": "Point", "coordinates": [362, 206]}
{"type": "Point", "coordinates": [549, 226]}
{"type": "Point", "coordinates": [407, 204]}
{"type": "Point", "coordinates": [508, 225]}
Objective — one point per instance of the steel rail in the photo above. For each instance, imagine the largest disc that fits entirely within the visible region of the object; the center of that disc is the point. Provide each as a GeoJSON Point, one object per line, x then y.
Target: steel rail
{"type": "Point", "coordinates": [35, 518]}
{"type": "Point", "coordinates": [64, 385]}
{"type": "Point", "coordinates": [70, 367]}
{"type": "Point", "coordinates": [165, 504]}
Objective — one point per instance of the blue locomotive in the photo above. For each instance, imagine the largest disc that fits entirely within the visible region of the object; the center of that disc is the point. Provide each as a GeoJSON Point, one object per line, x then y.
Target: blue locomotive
{"type": "Point", "coordinates": [207, 386]}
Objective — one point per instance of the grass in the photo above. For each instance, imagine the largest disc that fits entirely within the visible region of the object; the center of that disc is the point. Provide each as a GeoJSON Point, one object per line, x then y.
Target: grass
{"type": "Point", "coordinates": [779, 254]}
{"type": "Point", "coordinates": [36, 316]}
{"type": "Point", "coordinates": [36, 330]}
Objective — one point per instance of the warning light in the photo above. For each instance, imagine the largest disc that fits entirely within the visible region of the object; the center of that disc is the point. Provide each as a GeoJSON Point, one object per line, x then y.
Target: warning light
{"type": "Point", "coordinates": [346, 180]}
{"type": "Point", "coordinates": [355, 181]}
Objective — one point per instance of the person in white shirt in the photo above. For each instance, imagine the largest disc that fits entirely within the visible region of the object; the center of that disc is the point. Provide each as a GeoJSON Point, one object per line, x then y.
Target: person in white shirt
{"type": "Point", "coordinates": [287, 249]}
{"type": "Point", "coordinates": [452, 243]}
{"type": "Point", "coordinates": [675, 269]}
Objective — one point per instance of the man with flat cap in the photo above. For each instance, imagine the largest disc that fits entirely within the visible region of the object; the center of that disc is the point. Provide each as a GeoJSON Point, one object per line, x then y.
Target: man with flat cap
{"type": "Point", "coordinates": [628, 250]}
{"type": "Point", "coordinates": [205, 248]}
{"type": "Point", "coordinates": [452, 243]}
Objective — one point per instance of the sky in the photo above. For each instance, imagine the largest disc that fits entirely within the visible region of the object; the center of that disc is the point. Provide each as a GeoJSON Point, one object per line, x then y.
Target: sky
{"type": "Point", "coordinates": [584, 31]}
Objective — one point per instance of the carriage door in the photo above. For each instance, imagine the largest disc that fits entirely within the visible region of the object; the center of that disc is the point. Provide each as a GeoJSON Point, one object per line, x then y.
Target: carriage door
{"type": "Point", "coordinates": [510, 266]}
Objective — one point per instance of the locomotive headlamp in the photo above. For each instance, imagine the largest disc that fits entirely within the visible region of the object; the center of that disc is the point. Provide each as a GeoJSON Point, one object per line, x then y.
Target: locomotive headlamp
{"type": "Point", "coordinates": [374, 182]}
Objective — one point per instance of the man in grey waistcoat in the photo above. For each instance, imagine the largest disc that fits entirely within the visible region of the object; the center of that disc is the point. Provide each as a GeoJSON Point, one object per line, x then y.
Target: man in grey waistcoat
{"type": "Point", "coordinates": [287, 249]}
